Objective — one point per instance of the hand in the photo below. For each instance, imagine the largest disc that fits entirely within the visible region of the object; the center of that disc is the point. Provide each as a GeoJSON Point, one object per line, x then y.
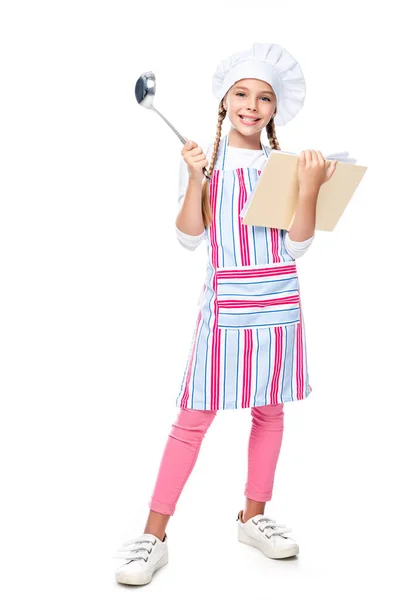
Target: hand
{"type": "Point", "coordinates": [195, 159]}
{"type": "Point", "coordinates": [313, 170]}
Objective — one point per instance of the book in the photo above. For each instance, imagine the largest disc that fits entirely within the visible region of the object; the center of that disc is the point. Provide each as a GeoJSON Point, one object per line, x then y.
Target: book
{"type": "Point", "coordinates": [273, 201]}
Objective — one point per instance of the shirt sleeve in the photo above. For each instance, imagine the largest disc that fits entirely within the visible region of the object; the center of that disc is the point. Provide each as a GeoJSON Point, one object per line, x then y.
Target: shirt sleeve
{"type": "Point", "coordinates": [297, 249]}
{"type": "Point", "coordinates": [190, 242]}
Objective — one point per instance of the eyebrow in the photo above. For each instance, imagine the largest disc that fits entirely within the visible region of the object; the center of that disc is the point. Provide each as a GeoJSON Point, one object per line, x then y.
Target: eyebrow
{"type": "Point", "coordinates": [241, 87]}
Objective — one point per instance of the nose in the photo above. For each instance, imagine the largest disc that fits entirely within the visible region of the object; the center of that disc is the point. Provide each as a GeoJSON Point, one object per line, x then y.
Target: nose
{"type": "Point", "coordinates": [252, 104]}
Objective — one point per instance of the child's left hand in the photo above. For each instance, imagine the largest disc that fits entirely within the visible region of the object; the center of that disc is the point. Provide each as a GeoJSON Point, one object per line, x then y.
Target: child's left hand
{"type": "Point", "coordinates": [313, 171]}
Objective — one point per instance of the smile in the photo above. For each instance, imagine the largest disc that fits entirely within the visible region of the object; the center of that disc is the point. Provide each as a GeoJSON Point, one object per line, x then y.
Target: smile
{"type": "Point", "coordinates": [249, 120]}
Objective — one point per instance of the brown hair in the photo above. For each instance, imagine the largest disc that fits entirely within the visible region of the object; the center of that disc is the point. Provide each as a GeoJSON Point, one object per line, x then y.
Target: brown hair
{"type": "Point", "coordinates": [205, 191]}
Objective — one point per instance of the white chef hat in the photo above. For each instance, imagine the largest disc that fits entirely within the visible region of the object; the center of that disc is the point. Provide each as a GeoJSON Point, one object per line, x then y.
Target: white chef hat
{"type": "Point", "coordinates": [270, 63]}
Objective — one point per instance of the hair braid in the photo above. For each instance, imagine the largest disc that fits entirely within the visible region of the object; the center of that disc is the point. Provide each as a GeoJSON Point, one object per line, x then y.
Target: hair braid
{"type": "Point", "coordinates": [205, 192]}
{"type": "Point", "coordinates": [273, 140]}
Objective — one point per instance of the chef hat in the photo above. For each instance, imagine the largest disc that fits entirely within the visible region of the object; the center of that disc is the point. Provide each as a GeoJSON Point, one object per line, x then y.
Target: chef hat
{"type": "Point", "coordinates": [270, 63]}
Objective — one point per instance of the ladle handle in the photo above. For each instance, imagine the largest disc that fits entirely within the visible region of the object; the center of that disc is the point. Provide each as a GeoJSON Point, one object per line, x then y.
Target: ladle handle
{"type": "Point", "coordinates": [182, 139]}
{"type": "Point", "coordinates": [170, 124]}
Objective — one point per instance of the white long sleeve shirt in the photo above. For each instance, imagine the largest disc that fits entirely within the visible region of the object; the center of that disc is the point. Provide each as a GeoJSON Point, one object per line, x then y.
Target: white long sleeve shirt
{"type": "Point", "coordinates": [235, 158]}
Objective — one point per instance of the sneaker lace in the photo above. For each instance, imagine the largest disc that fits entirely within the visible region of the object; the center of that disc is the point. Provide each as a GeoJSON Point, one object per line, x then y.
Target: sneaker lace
{"type": "Point", "coordinates": [271, 527]}
{"type": "Point", "coordinates": [136, 550]}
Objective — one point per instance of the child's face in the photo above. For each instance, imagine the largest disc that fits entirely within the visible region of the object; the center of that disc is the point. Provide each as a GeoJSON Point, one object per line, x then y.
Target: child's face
{"type": "Point", "coordinates": [250, 104]}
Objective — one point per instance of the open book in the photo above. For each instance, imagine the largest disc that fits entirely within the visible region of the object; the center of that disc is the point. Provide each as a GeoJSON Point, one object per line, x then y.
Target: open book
{"type": "Point", "coordinates": [273, 201]}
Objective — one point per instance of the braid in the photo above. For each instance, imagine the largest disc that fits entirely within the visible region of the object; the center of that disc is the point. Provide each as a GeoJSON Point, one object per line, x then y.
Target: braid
{"type": "Point", "coordinates": [273, 140]}
{"type": "Point", "coordinates": [205, 192]}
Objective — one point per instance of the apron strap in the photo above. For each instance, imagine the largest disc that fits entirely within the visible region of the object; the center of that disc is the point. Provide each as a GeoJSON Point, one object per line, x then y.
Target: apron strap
{"type": "Point", "coordinates": [224, 147]}
{"type": "Point", "coordinates": [225, 144]}
{"type": "Point", "coordinates": [265, 150]}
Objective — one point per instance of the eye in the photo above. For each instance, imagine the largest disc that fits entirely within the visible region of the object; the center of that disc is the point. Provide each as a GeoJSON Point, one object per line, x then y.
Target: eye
{"type": "Point", "coordinates": [266, 98]}
{"type": "Point", "coordinates": [240, 94]}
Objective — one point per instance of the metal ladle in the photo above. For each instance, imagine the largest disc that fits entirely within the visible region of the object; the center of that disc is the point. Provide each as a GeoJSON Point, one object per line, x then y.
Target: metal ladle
{"type": "Point", "coordinates": [145, 90]}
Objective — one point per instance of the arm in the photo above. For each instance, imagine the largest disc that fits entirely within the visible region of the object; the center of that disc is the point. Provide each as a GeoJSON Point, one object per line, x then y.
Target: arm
{"type": "Point", "coordinates": [312, 174]}
{"type": "Point", "coordinates": [189, 222]}
{"type": "Point", "coordinates": [190, 218]}
{"type": "Point", "coordinates": [303, 226]}
{"type": "Point", "coordinates": [302, 231]}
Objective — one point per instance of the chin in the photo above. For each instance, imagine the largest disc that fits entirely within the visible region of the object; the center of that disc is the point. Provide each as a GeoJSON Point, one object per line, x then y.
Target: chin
{"type": "Point", "coordinates": [248, 132]}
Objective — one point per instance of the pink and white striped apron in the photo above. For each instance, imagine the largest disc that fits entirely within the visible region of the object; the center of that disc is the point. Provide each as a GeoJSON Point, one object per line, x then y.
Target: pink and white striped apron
{"type": "Point", "coordinates": [249, 345]}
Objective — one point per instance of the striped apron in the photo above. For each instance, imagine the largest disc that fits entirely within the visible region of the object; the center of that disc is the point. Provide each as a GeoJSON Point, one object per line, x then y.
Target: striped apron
{"type": "Point", "coordinates": [248, 347]}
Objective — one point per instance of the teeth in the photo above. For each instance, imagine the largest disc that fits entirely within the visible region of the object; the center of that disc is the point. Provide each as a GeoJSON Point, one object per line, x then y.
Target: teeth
{"type": "Point", "coordinates": [249, 119]}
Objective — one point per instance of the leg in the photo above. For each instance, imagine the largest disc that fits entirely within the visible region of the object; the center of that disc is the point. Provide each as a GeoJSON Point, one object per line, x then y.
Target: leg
{"type": "Point", "coordinates": [179, 458]}
{"type": "Point", "coordinates": [263, 453]}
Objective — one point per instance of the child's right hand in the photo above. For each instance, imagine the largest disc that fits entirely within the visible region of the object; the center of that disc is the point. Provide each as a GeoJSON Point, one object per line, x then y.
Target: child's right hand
{"type": "Point", "coordinates": [195, 159]}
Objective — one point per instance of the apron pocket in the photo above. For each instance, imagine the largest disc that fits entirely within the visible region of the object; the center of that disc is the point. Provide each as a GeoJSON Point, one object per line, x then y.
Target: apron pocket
{"type": "Point", "coordinates": [258, 296]}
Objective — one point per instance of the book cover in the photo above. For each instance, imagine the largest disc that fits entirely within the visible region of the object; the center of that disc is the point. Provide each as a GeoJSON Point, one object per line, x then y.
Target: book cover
{"type": "Point", "coordinates": [273, 201]}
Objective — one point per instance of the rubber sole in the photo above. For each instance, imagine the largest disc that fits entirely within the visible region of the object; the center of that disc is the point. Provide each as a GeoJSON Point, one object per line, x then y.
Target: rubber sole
{"type": "Point", "coordinates": [269, 552]}
{"type": "Point", "coordinates": [140, 578]}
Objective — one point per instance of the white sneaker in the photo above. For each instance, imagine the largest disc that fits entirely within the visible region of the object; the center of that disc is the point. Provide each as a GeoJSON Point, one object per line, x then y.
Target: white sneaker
{"type": "Point", "coordinates": [268, 537]}
{"type": "Point", "coordinates": [144, 555]}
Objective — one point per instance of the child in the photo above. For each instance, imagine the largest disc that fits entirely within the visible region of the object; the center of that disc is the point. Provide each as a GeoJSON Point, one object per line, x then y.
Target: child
{"type": "Point", "coordinates": [248, 349]}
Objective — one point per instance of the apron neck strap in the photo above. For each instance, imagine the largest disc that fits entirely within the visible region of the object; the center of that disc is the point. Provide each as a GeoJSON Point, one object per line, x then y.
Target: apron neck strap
{"type": "Point", "coordinates": [224, 148]}
{"type": "Point", "coordinates": [265, 150]}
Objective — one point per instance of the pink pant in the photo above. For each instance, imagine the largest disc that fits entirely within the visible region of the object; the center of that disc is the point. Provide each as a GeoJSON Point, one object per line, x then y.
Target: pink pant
{"type": "Point", "coordinates": [183, 447]}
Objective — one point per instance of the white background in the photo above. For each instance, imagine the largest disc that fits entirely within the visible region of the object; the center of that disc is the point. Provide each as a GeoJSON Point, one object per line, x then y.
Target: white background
{"type": "Point", "coordinates": [98, 302]}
